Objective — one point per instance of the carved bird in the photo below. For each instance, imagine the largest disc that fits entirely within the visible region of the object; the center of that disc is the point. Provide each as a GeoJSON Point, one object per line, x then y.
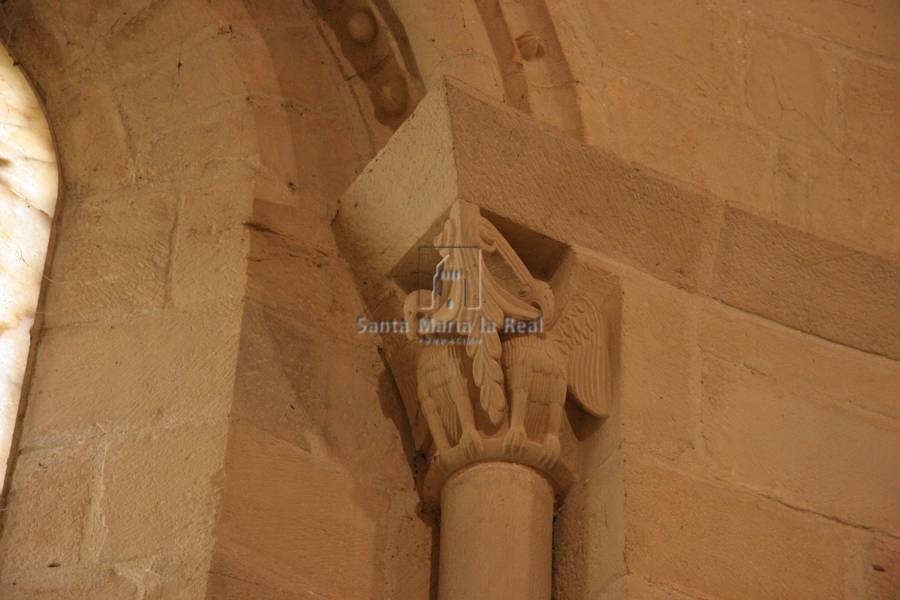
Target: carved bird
{"type": "Point", "coordinates": [443, 389]}
{"type": "Point", "coordinates": [443, 372]}
{"type": "Point", "coordinates": [540, 368]}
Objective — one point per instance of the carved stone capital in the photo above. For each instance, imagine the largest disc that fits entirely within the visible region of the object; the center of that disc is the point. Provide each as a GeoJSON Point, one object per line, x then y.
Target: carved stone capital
{"type": "Point", "coordinates": [490, 352]}
{"type": "Point", "coordinates": [496, 356]}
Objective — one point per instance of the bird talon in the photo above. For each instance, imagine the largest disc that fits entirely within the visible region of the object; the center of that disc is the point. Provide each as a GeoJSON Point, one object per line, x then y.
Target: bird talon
{"type": "Point", "coordinates": [551, 451]}
{"type": "Point", "coordinates": [471, 444]}
{"type": "Point", "coordinates": [515, 440]}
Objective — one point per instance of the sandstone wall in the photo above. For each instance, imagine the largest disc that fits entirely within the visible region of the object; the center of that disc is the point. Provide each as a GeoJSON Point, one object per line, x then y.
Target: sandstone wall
{"type": "Point", "coordinates": [202, 417]}
{"type": "Point", "coordinates": [200, 397]}
{"type": "Point", "coordinates": [759, 461]}
{"type": "Point", "coordinates": [785, 108]}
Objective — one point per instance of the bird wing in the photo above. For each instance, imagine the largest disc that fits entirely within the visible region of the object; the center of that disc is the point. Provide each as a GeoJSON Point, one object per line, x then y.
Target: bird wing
{"type": "Point", "coordinates": [582, 336]}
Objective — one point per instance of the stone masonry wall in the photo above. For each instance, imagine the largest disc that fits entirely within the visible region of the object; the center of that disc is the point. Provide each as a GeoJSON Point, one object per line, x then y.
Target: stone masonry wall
{"type": "Point", "coordinates": [194, 424]}
{"type": "Point", "coordinates": [759, 461]}
{"type": "Point", "coordinates": [195, 366]}
{"type": "Point", "coordinates": [787, 108]}
{"type": "Point", "coordinates": [113, 487]}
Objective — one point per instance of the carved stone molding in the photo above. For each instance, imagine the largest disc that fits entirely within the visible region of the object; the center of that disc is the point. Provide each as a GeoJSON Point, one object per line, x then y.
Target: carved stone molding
{"type": "Point", "coordinates": [372, 49]}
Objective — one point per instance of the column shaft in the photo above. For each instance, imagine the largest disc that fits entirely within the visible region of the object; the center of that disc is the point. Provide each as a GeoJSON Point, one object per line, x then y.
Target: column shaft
{"type": "Point", "coordinates": [496, 534]}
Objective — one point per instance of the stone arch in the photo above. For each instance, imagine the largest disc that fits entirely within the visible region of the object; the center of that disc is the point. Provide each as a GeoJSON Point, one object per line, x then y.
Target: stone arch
{"type": "Point", "coordinates": [506, 49]}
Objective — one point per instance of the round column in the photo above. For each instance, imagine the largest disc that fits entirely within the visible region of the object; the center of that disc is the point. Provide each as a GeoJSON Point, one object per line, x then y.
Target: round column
{"type": "Point", "coordinates": [496, 534]}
